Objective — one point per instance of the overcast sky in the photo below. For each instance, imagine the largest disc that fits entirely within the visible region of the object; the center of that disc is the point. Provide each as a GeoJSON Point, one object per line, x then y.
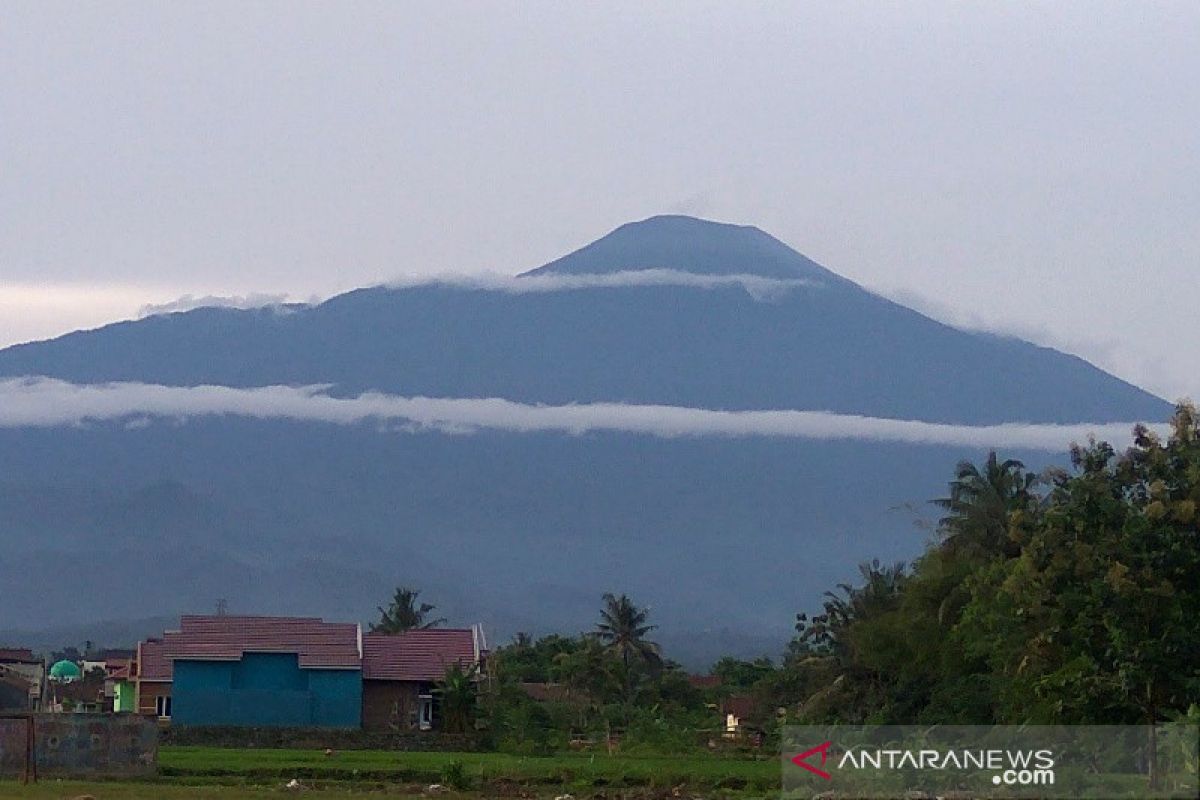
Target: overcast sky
{"type": "Point", "coordinates": [1032, 168]}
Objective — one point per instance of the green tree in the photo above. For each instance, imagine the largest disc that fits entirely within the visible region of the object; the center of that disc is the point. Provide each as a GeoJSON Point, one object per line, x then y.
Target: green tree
{"type": "Point", "coordinates": [622, 629]}
{"type": "Point", "coordinates": [842, 646]}
{"type": "Point", "coordinates": [984, 505]}
{"type": "Point", "coordinates": [527, 660]}
{"type": "Point", "coordinates": [736, 674]}
{"type": "Point", "coordinates": [458, 691]}
{"type": "Point", "coordinates": [404, 613]}
{"type": "Point", "coordinates": [879, 593]}
{"type": "Point", "coordinates": [592, 674]}
{"type": "Point", "coordinates": [1096, 620]}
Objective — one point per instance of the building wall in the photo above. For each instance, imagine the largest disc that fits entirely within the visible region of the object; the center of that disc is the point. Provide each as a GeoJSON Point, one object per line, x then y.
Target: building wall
{"type": "Point", "coordinates": [31, 672]}
{"type": "Point", "coordinates": [148, 693]}
{"type": "Point", "coordinates": [389, 705]}
{"type": "Point", "coordinates": [14, 695]}
{"type": "Point", "coordinates": [81, 745]}
{"type": "Point", "coordinates": [123, 696]}
{"type": "Point", "coordinates": [265, 689]}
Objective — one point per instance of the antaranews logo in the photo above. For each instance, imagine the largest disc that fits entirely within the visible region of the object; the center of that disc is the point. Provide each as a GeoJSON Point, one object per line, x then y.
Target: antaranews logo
{"type": "Point", "coordinates": [1095, 762]}
{"type": "Point", "coordinates": [801, 760]}
{"type": "Point", "coordinates": [1008, 767]}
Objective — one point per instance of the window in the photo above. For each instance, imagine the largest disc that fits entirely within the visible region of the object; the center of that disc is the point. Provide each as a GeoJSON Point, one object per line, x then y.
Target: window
{"type": "Point", "coordinates": [425, 712]}
{"type": "Point", "coordinates": [162, 704]}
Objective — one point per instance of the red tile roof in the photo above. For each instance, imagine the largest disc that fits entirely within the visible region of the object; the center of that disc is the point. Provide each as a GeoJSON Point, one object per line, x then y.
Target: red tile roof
{"type": "Point", "coordinates": [422, 655]}
{"type": "Point", "coordinates": [153, 664]}
{"type": "Point", "coordinates": [318, 644]}
{"type": "Point", "coordinates": [19, 655]}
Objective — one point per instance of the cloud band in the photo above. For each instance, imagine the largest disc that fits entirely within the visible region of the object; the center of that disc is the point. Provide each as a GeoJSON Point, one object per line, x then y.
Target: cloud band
{"type": "Point", "coordinates": [45, 402]}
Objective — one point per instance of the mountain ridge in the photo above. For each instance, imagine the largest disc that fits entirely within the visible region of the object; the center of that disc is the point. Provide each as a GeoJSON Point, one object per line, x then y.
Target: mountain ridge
{"type": "Point", "coordinates": [830, 346]}
{"type": "Point", "coordinates": [689, 244]}
{"type": "Point", "coordinates": [523, 531]}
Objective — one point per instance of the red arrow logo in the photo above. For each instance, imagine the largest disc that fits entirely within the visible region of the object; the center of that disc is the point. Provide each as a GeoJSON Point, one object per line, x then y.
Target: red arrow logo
{"type": "Point", "coordinates": [802, 759]}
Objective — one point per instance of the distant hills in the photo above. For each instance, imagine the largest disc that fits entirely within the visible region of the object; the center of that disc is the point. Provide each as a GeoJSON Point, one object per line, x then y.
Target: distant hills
{"type": "Point", "coordinates": [726, 537]}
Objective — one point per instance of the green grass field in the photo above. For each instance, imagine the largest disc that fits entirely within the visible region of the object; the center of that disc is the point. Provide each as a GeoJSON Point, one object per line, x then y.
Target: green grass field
{"type": "Point", "coordinates": [70, 790]}
{"type": "Point", "coordinates": [198, 773]}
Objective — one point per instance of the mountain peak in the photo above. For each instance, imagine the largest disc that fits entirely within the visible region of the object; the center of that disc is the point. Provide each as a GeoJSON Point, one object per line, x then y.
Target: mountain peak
{"type": "Point", "coordinates": [688, 244]}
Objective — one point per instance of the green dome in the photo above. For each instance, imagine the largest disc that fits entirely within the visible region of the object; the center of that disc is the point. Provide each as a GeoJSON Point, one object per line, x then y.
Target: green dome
{"type": "Point", "coordinates": [64, 671]}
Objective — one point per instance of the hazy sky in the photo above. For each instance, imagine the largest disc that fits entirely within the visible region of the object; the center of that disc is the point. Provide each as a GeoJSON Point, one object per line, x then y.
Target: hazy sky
{"type": "Point", "coordinates": [1033, 168]}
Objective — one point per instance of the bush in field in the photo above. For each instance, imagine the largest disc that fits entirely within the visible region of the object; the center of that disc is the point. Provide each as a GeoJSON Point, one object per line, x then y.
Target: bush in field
{"type": "Point", "coordinates": [527, 728]}
{"type": "Point", "coordinates": [454, 775]}
{"type": "Point", "coordinates": [652, 731]}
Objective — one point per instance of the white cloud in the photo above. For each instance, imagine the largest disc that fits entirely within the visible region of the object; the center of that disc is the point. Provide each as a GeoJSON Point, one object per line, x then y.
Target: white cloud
{"type": "Point", "coordinates": [758, 287]}
{"type": "Point", "coordinates": [1151, 365]}
{"type": "Point", "coordinates": [44, 402]}
{"type": "Point", "coordinates": [190, 302]}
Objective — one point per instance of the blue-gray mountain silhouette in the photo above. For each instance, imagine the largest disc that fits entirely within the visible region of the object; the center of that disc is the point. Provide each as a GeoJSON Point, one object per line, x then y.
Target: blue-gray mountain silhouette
{"type": "Point", "coordinates": [726, 537]}
{"type": "Point", "coordinates": [694, 245]}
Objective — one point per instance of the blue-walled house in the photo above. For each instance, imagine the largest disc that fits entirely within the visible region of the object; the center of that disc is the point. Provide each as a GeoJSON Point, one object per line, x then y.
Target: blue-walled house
{"type": "Point", "coordinates": [265, 671]}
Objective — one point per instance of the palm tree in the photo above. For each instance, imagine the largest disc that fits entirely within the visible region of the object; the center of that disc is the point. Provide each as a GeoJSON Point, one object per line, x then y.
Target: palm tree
{"type": "Point", "coordinates": [879, 594]}
{"type": "Point", "coordinates": [841, 679]}
{"type": "Point", "coordinates": [984, 504]}
{"type": "Point", "coordinates": [404, 613]}
{"type": "Point", "coordinates": [622, 630]}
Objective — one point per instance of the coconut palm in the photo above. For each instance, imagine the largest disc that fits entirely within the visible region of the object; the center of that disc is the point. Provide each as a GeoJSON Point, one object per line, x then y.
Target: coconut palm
{"type": "Point", "coordinates": [622, 630]}
{"type": "Point", "coordinates": [983, 506]}
{"type": "Point", "coordinates": [878, 594]}
{"type": "Point", "coordinates": [405, 613]}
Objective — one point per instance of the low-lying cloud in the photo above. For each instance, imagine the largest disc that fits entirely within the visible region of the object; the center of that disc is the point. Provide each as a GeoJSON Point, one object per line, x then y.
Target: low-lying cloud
{"type": "Point", "coordinates": [755, 285]}
{"type": "Point", "coordinates": [758, 287]}
{"type": "Point", "coordinates": [45, 402]}
{"type": "Point", "coordinates": [190, 302]}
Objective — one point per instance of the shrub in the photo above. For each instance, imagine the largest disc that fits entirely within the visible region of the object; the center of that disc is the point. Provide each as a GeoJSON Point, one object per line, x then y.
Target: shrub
{"type": "Point", "coordinates": [454, 775]}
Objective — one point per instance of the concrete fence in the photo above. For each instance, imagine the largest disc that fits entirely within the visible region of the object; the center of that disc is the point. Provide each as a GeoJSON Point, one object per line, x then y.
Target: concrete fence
{"type": "Point", "coordinates": [317, 739]}
{"type": "Point", "coordinates": [81, 745]}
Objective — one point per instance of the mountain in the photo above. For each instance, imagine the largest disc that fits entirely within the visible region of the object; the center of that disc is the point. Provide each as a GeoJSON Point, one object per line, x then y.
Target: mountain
{"type": "Point", "coordinates": [726, 537]}
{"type": "Point", "coordinates": [820, 342]}
{"type": "Point", "coordinates": [697, 246]}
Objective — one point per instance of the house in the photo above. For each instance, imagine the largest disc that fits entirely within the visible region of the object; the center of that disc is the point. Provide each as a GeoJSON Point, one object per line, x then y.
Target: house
{"type": "Point", "coordinates": [82, 695]}
{"type": "Point", "coordinates": [15, 693]}
{"type": "Point", "coordinates": [400, 671]}
{"type": "Point", "coordinates": [737, 710]}
{"type": "Point", "coordinates": [264, 671]}
{"type": "Point", "coordinates": [22, 679]}
{"type": "Point", "coordinates": [292, 672]}
{"type": "Point", "coordinates": [119, 685]}
{"type": "Point", "coordinates": [150, 675]}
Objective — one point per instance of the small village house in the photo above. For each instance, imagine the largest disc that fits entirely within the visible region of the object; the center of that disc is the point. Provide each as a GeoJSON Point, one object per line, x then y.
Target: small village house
{"type": "Point", "coordinates": [400, 672]}
{"type": "Point", "coordinates": [293, 672]}
{"type": "Point", "coordinates": [265, 671]}
{"type": "Point", "coordinates": [119, 686]}
{"type": "Point", "coordinates": [22, 679]}
{"type": "Point", "coordinates": [151, 675]}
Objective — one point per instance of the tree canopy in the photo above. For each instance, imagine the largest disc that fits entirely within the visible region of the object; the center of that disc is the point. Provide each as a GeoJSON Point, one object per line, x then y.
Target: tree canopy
{"type": "Point", "coordinates": [404, 613]}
